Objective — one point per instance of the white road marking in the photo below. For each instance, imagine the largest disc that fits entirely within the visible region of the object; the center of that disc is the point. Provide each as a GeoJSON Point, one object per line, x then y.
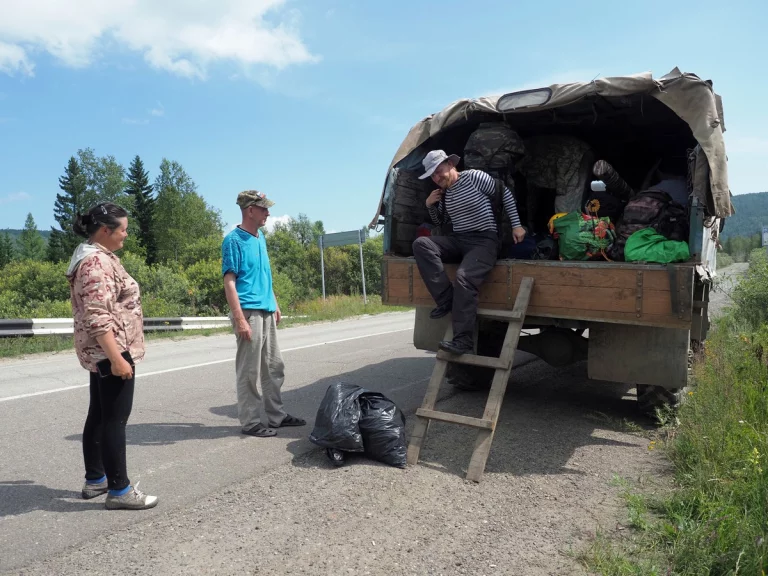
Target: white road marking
{"type": "Point", "coordinates": [155, 373]}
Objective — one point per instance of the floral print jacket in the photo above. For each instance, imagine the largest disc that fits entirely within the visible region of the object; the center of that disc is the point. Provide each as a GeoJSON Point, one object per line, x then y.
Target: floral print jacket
{"type": "Point", "coordinates": [105, 298]}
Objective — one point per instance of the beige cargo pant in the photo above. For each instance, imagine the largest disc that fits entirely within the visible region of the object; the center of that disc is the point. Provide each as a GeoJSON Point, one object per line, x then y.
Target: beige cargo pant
{"type": "Point", "coordinates": [259, 361]}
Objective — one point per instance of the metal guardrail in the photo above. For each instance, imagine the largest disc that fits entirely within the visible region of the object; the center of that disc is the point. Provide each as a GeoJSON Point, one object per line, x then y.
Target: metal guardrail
{"type": "Point", "coordinates": [47, 326]}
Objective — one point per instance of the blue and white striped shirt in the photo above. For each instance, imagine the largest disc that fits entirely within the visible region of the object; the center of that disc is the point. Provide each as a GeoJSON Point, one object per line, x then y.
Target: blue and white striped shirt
{"type": "Point", "coordinates": [468, 204]}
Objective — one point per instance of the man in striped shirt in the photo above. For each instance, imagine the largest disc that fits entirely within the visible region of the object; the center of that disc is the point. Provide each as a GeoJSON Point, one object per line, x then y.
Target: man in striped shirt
{"type": "Point", "coordinates": [463, 198]}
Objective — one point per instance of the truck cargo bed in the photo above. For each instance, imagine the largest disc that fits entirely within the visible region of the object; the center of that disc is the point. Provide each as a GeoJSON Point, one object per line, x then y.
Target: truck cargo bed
{"type": "Point", "coordinates": [623, 293]}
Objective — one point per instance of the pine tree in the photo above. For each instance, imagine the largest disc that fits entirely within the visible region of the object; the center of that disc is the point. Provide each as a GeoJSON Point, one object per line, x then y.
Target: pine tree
{"type": "Point", "coordinates": [63, 241]}
{"type": "Point", "coordinates": [31, 242]}
{"type": "Point", "coordinates": [139, 187]}
{"type": "Point", "coordinates": [7, 249]}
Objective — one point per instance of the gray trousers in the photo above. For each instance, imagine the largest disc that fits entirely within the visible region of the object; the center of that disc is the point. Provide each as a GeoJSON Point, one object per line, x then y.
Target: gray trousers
{"type": "Point", "coordinates": [476, 254]}
{"type": "Point", "coordinates": [259, 362]}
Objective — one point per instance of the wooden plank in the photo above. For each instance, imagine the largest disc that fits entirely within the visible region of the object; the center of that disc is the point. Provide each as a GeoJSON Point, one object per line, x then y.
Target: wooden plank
{"type": "Point", "coordinates": [419, 432]}
{"type": "Point", "coordinates": [658, 320]}
{"type": "Point", "coordinates": [398, 288]}
{"type": "Point", "coordinates": [499, 384]}
{"type": "Point", "coordinates": [598, 278]}
{"type": "Point", "coordinates": [590, 303]}
{"type": "Point", "coordinates": [398, 270]}
{"type": "Point", "coordinates": [591, 298]}
{"type": "Point", "coordinates": [495, 295]}
{"type": "Point", "coordinates": [455, 419]}
{"type": "Point", "coordinates": [597, 274]}
{"type": "Point", "coordinates": [503, 315]}
{"type": "Point", "coordinates": [608, 278]}
{"type": "Point", "coordinates": [473, 360]}
{"type": "Point", "coordinates": [418, 435]}
{"type": "Point", "coordinates": [524, 295]}
{"type": "Point", "coordinates": [611, 317]}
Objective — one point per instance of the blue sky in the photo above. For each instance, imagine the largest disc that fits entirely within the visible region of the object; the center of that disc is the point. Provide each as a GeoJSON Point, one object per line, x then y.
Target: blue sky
{"type": "Point", "coordinates": [309, 100]}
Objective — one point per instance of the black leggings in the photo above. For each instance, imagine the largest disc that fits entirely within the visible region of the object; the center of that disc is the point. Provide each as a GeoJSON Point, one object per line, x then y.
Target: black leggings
{"type": "Point", "coordinates": [104, 432]}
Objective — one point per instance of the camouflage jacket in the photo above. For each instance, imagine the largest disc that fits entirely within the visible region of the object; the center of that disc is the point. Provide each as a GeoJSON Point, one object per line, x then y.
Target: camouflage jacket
{"type": "Point", "coordinates": [105, 298]}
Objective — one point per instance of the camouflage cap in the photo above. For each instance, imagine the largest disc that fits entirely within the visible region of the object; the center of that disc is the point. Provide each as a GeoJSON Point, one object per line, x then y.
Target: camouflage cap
{"type": "Point", "coordinates": [253, 198]}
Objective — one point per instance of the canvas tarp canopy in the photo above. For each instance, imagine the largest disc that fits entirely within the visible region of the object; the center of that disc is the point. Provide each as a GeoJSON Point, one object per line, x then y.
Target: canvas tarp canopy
{"type": "Point", "coordinates": [691, 98]}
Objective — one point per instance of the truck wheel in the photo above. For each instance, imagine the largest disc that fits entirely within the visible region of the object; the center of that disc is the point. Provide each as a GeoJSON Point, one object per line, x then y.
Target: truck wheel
{"type": "Point", "coordinates": [651, 397]}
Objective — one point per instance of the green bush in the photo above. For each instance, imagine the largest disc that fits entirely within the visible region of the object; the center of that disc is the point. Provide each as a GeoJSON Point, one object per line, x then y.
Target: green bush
{"type": "Point", "coordinates": [285, 291]}
{"type": "Point", "coordinates": [206, 277]}
{"type": "Point", "coordinates": [155, 307]}
{"type": "Point", "coordinates": [751, 294]}
{"type": "Point", "coordinates": [32, 282]}
{"type": "Point", "coordinates": [723, 260]}
{"type": "Point", "coordinates": [208, 248]}
{"type": "Point", "coordinates": [716, 519]}
{"type": "Point", "coordinates": [162, 283]}
{"type": "Point", "coordinates": [720, 514]}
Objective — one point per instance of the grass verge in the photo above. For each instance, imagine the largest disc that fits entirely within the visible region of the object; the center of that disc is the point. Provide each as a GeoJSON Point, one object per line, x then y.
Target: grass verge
{"type": "Point", "coordinates": [333, 308]}
{"type": "Point", "coordinates": [715, 519]}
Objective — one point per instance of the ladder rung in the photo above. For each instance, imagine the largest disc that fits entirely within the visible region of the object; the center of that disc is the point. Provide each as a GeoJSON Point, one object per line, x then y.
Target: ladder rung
{"type": "Point", "coordinates": [503, 315]}
{"type": "Point", "coordinates": [474, 360]}
{"type": "Point", "coordinates": [455, 418]}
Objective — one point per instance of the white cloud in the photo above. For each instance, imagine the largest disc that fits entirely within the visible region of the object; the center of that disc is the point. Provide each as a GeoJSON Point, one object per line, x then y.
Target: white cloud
{"type": "Point", "coordinates": [178, 36]}
{"type": "Point", "coordinates": [14, 197]}
{"type": "Point", "coordinates": [135, 121]}
{"type": "Point", "coordinates": [273, 220]}
{"type": "Point", "coordinates": [14, 59]}
{"type": "Point", "coordinates": [158, 111]}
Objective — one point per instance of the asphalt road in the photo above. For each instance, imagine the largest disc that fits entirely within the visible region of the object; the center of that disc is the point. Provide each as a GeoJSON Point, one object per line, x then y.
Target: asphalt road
{"type": "Point", "coordinates": [183, 435]}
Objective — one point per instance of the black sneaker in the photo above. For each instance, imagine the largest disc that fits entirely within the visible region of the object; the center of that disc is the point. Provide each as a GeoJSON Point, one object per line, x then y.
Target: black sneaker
{"type": "Point", "coordinates": [457, 347]}
{"type": "Point", "coordinates": [441, 311]}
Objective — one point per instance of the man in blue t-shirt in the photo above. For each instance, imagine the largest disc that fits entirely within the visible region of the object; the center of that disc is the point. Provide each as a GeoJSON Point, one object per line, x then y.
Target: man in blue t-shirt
{"type": "Point", "coordinates": [255, 315]}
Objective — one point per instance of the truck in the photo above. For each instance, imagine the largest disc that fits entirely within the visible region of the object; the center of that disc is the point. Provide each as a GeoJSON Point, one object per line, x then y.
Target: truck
{"type": "Point", "coordinates": [633, 323]}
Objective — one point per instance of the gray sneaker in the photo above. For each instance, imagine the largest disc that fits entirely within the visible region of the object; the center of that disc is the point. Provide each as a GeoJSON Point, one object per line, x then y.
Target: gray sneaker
{"type": "Point", "coordinates": [94, 490]}
{"type": "Point", "coordinates": [131, 500]}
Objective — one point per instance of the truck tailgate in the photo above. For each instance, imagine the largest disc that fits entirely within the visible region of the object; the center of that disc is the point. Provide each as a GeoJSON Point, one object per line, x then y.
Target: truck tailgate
{"type": "Point", "coordinates": [623, 293]}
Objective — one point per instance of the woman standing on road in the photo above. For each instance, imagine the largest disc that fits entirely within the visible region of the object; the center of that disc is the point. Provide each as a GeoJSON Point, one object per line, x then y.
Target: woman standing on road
{"type": "Point", "coordinates": [106, 305]}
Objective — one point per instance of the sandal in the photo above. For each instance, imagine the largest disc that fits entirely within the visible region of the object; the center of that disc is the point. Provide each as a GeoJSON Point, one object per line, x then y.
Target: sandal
{"type": "Point", "coordinates": [292, 421]}
{"type": "Point", "coordinates": [260, 431]}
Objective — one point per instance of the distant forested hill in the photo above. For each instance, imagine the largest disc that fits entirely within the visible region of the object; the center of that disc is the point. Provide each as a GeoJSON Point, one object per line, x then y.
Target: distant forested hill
{"type": "Point", "coordinates": [751, 215]}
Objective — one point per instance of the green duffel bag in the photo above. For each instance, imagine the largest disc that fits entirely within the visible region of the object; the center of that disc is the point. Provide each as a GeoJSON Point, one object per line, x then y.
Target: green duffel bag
{"type": "Point", "coordinates": [647, 245]}
{"type": "Point", "coordinates": [582, 236]}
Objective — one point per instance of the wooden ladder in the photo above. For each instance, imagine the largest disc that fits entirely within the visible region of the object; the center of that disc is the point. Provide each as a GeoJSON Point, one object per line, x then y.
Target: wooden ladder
{"type": "Point", "coordinates": [503, 368]}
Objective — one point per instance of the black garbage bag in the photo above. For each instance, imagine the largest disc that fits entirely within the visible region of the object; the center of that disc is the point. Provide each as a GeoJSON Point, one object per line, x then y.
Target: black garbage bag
{"type": "Point", "coordinates": [353, 419]}
{"type": "Point", "coordinates": [336, 457]}
{"type": "Point", "coordinates": [336, 423]}
{"type": "Point", "coordinates": [382, 425]}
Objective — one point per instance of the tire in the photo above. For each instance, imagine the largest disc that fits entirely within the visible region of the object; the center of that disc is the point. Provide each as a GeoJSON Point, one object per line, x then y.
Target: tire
{"type": "Point", "coordinates": [649, 398]}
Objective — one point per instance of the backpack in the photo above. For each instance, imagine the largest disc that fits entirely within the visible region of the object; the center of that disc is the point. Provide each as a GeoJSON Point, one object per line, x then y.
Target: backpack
{"type": "Point", "coordinates": [495, 148]}
{"type": "Point", "coordinates": [651, 209]}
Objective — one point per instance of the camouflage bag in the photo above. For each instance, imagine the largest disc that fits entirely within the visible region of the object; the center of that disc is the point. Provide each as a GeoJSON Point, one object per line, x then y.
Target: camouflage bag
{"type": "Point", "coordinates": [493, 148]}
{"type": "Point", "coordinates": [561, 163]}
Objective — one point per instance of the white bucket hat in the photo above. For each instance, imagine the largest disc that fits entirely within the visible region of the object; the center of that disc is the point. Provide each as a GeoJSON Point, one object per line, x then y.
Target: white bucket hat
{"type": "Point", "coordinates": [434, 159]}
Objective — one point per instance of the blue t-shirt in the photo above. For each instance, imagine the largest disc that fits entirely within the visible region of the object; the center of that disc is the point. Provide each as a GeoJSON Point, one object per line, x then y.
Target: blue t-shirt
{"type": "Point", "coordinates": [245, 255]}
